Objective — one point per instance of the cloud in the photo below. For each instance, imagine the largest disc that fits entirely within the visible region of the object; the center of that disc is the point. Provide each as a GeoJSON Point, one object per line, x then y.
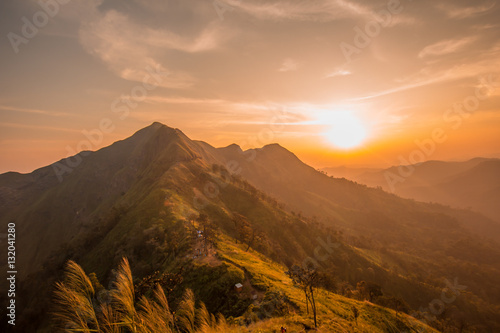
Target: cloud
{"type": "Point", "coordinates": [209, 113]}
{"type": "Point", "coordinates": [404, 20]}
{"type": "Point", "coordinates": [128, 48]}
{"type": "Point", "coordinates": [338, 72]}
{"type": "Point", "coordinates": [445, 47]}
{"type": "Point", "coordinates": [285, 10]}
{"type": "Point", "coordinates": [486, 64]}
{"type": "Point", "coordinates": [465, 12]}
{"type": "Point", "coordinates": [426, 77]}
{"type": "Point", "coordinates": [319, 10]}
{"type": "Point", "coordinates": [289, 65]}
{"type": "Point", "coordinates": [34, 111]}
{"type": "Point", "coordinates": [229, 107]}
{"type": "Point", "coordinates": [39, 127]}
{"type": "Point", "coordinates": [183, 100]}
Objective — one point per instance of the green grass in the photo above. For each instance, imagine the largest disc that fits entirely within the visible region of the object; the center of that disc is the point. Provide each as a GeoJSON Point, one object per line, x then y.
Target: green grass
{"type": "Point", "coordinates": [334, 311]}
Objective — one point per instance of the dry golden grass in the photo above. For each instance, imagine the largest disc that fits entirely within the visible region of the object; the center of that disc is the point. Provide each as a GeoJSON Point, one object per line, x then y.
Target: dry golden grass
{"type": "Point", "coordinates": [77, 309]}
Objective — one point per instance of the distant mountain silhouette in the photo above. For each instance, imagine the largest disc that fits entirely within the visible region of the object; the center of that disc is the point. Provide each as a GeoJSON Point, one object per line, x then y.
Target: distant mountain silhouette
{"type": "Point", "coordinates": [473, 184]}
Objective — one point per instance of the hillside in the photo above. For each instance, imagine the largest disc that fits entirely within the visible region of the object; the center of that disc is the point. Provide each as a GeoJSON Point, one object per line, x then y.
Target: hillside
{"type": "Point", "coordinates": [51, 212]}
{"type": "Point", "coordinates": [348, 172]}
{"type": "Point", "coordinates": [265, 278]}
{"type": "Point", "coordinates": [344, 203]}
{"type": "Point", "coordinates": [145, 197]}
{"type": "Point", "coordinates": [274, 301]}
{"type": "Point", "coordinates": [473, 184]}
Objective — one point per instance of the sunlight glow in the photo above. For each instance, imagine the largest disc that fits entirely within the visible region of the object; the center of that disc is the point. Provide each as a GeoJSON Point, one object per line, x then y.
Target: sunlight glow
{"type": "Point", "coordinates": [346, 130]}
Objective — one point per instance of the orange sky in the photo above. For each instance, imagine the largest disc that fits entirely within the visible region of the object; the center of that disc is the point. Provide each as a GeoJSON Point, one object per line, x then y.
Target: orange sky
{"type": "Point", "coordinates": [337, 82]}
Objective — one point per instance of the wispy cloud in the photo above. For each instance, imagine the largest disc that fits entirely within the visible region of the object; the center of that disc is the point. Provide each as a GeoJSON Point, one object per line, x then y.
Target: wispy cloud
{"type": "Point", "coordinates": [34, 111]}
{"type": "Point", "coordinates": [319, 10]}
{"type": "Point", "coordinates": [39, 127]}
{"type": "Point", "coordinates": [445, 47]}
{"type": "Point", "coordinates": [487, 64]}
{"type": "Point", "coordinates": [289, 65]}
{"type": "Point", "coordinates": [338, 72]}
{"type": "Point", "coordinates": [445, 76]}
{"type": "Point", "coordinates": [217, 112]}
{"type": "Point", "coordinates": [290, 111]}
{"type": "Point", "coordinates": [183, 100]}
{"type": "Point", "coordinates": [128, 47]}
{"type": "Point", "coordinates": [287, 10]}
{"type": "Point", "coordinates": [456, 12]}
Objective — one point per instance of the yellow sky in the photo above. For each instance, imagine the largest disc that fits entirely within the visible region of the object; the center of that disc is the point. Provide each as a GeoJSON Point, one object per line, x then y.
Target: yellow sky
{"type": "Point", "coordinates": [344, 82]}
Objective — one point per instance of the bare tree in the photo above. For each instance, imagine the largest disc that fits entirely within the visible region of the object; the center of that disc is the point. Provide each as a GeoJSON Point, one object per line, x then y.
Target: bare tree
{"type": "Point", "coordinates": [355, 313]}
{"type": "Point", "coordinates": [246, 233]}
{"type": "Point", "coordinates": [210, 231]}
{"type": "Point", "coordinates": [307, 279]}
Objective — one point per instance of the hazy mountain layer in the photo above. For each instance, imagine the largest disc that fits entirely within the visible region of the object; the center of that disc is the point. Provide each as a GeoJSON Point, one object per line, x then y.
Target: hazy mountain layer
{"type": "Point", "coordinates": [474, 184]}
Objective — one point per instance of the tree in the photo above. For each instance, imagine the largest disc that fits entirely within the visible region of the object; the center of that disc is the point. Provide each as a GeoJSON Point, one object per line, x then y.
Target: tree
{"type": "Point", "coordinates": [246, 233]}
{"type": "Point", "coordinates": [345, 289]}
{"type": "Point", "coordinates": [395, 303]}
{"type": "Point", "coordinates": [243, 228]}
{"type": "Point", "coordinates": [461, 323]}
{"type": "Point", "coordinates": [399, 305]}
{"type": "Point", "coordinates": [307, 279]}
{"type": "Point", "coordinates": [168, 281]}
{"type": "Point", "coordinates": [257, 235]}
{"type": "Point", "coordinates": [210, 231]}
{"type": "Point", "coordinates": [355, 313]}
{"type": "Point", "coordinates": [369, 290]}
{"type": "Point", "coordinates": [455, 320]}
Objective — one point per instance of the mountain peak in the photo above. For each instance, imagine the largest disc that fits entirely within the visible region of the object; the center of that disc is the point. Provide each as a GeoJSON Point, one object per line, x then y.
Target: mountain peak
{"type": "Point", "coordinates": [276, 151]}
{"type": "Point", "coordinates": [156, 125]}
{"type": "Point", "coordinates": [274, 146]}
{"type": "Point", "coordinates": [233, 147]}
{"type": "Point", "coordinates": [159, 126]}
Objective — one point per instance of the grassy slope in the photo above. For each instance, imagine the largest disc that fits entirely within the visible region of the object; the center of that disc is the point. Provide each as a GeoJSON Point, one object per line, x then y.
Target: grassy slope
{"type": "Point", "coordinates": [267, 275]}
{"type": "Point", "coordinates": [334, 311]}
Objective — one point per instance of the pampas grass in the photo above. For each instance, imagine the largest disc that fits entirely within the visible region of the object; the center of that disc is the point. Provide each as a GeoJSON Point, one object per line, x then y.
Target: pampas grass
{"type": "Point", "coordinates": [186, 314]}
{"type": "Point", "coordinates": [73, 299]}
{"type": "Point", "coordinates": [77, 309]}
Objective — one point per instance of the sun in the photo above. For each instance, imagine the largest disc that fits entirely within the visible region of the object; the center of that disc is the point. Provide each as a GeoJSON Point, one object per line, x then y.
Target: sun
{"type": "Point", "coordinates": [346, 130]}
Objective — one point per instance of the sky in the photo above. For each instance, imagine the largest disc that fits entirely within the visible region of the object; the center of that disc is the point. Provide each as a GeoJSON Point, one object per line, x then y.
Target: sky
{"type": "Point", "coordinates": [338, 82]}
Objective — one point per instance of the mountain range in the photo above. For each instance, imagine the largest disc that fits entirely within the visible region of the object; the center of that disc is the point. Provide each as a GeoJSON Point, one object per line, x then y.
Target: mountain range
{"type": "Point", "coordinates": [143, 197]}
{"type": "Point", "coordinates": [472, 184]}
